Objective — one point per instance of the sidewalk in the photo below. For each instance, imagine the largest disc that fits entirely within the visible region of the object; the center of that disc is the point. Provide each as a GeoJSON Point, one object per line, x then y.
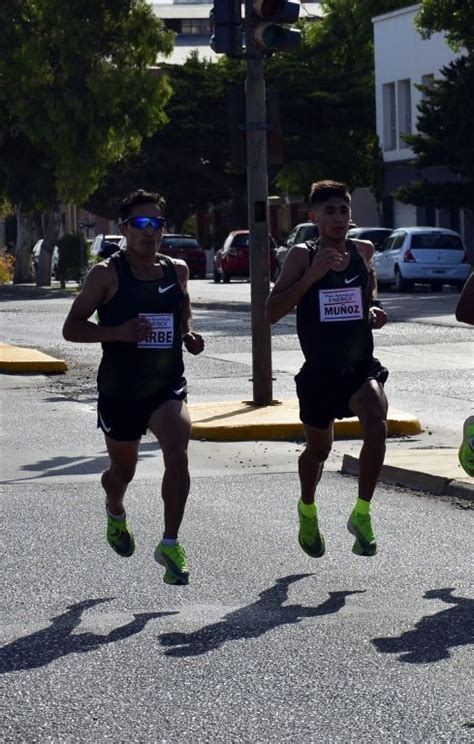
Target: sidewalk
{"type": "Point", "coordinates": [435, 470]}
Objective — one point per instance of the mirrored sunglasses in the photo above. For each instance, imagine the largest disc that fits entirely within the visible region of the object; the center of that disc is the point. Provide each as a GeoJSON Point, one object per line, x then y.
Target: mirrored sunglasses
{"type": "Point", "coordinates": [141, 223]}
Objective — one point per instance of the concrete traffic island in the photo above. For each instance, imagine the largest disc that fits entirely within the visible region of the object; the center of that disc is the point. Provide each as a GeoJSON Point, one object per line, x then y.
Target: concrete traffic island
{"type": "Point", "coordinates": [16, 359]}
{"type": "Point", "coordinates": [234, 421]}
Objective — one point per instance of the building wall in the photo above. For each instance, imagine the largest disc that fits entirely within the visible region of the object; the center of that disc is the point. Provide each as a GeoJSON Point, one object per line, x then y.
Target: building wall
{"type": "Point", "coordinates": [404, 60]}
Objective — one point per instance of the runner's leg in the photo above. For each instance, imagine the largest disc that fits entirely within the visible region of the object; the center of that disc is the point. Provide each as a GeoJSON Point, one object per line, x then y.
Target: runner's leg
{"type": "Point", "coordinates": [369, 404]}
{"type": "Point", "coordinates": [123, 460]}
{"type": "Point", "coordinates": [311, 461]}
{"type": "Point", "coordinates": [171, 425]}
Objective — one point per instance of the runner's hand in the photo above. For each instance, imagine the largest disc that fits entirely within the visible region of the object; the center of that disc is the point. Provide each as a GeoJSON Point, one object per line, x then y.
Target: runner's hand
{"type": "Point", "coordinates": [377, 317]}
{"type": "Point", "coordinates": [326, 259]}
{"type": "Point", "coordinates": [193, 342]}
{"type": "Point", "coordinates": [134, 330]}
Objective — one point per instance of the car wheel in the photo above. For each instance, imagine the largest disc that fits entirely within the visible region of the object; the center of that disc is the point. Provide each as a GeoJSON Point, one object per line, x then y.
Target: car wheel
{"type": "Point", "coordinates": [216, 276]}
{"type": "Point", "coordinates": [436, 286]}
{"type": "Point", "coordinates": [225, 277]}
{"type": "Point", "coordinates": [400, 284]}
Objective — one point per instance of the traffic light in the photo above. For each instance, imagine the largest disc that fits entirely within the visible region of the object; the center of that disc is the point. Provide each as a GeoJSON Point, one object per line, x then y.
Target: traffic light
{"type": "Point", "coordinates": [226, 27]}
{"type": "Point", "coordinates": [264, 31]}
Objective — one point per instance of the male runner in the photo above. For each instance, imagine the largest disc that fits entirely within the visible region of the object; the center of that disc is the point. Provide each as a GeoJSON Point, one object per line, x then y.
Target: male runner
{"type": "Point", "coordinates": [332, 283]}
{"type": "Point", "coordinates": [144, 317]}
{"type": "Point", "coordinates": [465, 314]}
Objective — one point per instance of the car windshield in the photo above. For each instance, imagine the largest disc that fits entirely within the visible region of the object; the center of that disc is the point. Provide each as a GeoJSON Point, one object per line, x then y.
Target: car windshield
{"type": "Point", "coordinates": [307, 232]}
{"type": "Point", "coordinates": [436, 241]}
{"type": "Point", "coordinates": [242, 241]}
{"type": "Point", "coordinates": [177, 242]}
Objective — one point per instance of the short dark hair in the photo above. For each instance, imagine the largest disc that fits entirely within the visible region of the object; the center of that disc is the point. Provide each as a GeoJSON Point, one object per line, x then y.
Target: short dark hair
{"type": "Point", "coordinates": [321, 191]}
{"type": "Point", "coordinates": [139, 197]}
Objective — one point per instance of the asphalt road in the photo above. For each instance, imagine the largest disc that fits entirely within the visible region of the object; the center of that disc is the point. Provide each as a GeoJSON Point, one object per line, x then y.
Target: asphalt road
{"type": "Point", "coordinates": [265, 644]}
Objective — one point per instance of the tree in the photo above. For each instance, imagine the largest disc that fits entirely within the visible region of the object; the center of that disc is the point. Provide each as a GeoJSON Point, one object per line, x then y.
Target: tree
{"type": "Point", "coordinates": [327, 97]}
{"type": "Point", "coordinates": [445, 124]}
{"type": "Point", "coordinates": [76, 92]}
{"type": "Point", "coordinates": [188, 159]}
{"type": "Point", "coordinates": [455, 17]}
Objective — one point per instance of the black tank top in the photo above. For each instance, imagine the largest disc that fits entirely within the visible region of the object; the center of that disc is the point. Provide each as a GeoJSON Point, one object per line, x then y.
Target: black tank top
{"type": "Point", "coordinates": [138, 370]}
{"type": "Point", "coordinates": [332, 318]}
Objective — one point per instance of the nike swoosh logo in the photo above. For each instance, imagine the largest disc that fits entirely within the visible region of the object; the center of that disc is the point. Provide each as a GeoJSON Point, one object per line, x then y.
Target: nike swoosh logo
{"type": "Point", "coordinates": [162, 290]}
{"type": "Point", "coordinates": [105, 428]}
{"type": "Point", "coordinates": [178, 392]}
{"type": "Point", "coordinates": [352, 279]}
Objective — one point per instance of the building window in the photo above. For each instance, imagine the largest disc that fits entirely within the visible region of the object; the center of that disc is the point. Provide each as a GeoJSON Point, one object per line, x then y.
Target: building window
{"type": "Point", "coordinates": [427, 82]}
{"type": "Point", "coordinates": [195, 26]}
{"type": "Point", "coordinates": [404, 111]}
{"type": "Point", "coordinates": [389, 117]}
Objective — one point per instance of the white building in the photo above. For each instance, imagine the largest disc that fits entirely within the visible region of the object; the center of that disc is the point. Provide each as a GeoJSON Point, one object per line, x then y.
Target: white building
{"type": "Point", "coordinates": [404, 60]}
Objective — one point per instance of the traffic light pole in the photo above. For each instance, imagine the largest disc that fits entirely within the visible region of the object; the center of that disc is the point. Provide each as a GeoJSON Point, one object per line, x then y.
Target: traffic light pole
{"type": "Point", "coordinates": [257, 188]}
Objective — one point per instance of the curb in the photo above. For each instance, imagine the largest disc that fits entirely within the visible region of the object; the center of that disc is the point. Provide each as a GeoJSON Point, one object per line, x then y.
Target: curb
{"type": "Point", "coordinates": [236, 421]}
{"type": "Point", "coordinates": [417, 480]}
{"type": "Point", "coordinates": [21, 359]}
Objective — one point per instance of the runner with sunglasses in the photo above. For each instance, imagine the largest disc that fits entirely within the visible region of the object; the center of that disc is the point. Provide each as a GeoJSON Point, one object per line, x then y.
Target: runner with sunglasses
{"type": "Point", "coordinates": [144, 319]}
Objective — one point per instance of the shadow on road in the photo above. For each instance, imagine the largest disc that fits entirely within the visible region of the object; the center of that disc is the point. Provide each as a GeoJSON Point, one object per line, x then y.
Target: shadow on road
{"type": "Point", "coordinates": [45, 646]}
{"type": "Point", "coordinates": [86, 465]}
{"type": "Point", "coordinates": [253, 620]}
{"type": "Point", "coordinates": [434, 635]}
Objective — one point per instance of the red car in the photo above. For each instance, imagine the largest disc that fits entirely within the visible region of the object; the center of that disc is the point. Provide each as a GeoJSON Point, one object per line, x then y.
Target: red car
{"type": "Point", "coordinates": [187, 248]}
{"type": "Point", "coordinates": [233, 258]}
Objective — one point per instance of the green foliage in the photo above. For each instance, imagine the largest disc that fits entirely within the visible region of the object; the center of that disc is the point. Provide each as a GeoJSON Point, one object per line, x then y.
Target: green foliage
{"type": "Point", "coordinates": [187, 160]}
{"type": "Point", "coordinates": [74, 257]}
{"type": "Point", "coordinates": [76, 93]}
{"type": "Point", "coordinates": [455, 17]}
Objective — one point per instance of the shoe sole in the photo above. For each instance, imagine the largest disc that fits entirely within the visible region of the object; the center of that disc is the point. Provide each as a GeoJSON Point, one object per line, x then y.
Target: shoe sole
{"type": "Point", "coordinates": [179, 578]}
{"type": "Point", "coordinates": [359, 548]}
{"type": "Point", "coordinates": [313, 555]}
{"type": "Point", "coordinates": [121, 553]}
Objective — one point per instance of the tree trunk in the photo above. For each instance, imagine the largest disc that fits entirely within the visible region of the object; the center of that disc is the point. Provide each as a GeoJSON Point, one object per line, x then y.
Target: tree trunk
{"type": "Point", "coordinates": [25, 236]}
{"type": "Point", "coordinates": [43, 277]}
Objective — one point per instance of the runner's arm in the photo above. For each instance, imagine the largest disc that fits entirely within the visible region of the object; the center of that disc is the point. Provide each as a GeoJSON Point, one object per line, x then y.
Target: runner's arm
{"type": "Point", "coordinates": [377, 316]}
{"type": "Point", "coordinates": [97, 289]}
{"type": "Point", "coordinates": [291, 284]}
{"type": "Point", "coordinates": [193, 342]}
{"type": "Point", "coordinates": [465, 306]}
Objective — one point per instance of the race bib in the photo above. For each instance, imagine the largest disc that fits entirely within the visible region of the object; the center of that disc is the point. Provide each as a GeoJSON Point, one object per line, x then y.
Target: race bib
{"type": "Point", "coordinates": [337, 305]}
{"type": "Point", "coordinates": [161, 333]}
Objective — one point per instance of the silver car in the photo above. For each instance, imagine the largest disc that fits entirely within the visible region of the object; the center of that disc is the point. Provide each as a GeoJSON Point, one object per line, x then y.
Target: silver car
{"type": "Point", "coordinates": [428, 255]}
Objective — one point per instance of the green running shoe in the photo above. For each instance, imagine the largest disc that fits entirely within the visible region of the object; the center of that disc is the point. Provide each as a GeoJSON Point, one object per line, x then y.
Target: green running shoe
{"type": "Point", "coordinates": [120, 537]}
{"type": "Point", "coordinates": [466, 450]}
{"type": "Point", "coordinates": [174, 560]}
{"type": "Point", "coordinates": [360, 526]}
{"type": "Point", "coordinates": [309, 537]}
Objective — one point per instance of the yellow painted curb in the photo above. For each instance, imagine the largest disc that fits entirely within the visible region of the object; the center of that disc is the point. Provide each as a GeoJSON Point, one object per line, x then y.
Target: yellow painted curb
{"type": "Point", "coordinates": [233, 421]}
{"type": "Point", "coordinates": [21, 359]}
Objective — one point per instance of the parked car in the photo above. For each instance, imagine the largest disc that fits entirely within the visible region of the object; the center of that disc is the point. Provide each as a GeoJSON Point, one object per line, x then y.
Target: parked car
{"type": "Point", "coordinates": [376, 235]}
{"type": "Point", "coordinates": [233, 258]}
{"type": "Point", "coordinates": [187, 248]}
{"type": "Point", "coordinates": [105, 245]}
{"type": "Point", "coordinates": [429, 255]}
{"type": "Point", "coordinates": [54, 261]}
{"type": "Point", "coordinates": [300, 234]}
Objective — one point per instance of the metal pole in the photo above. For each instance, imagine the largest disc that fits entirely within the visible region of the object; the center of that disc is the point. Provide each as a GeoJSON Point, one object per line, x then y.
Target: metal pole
{"type": "Point", "coordinates": [257, 188]}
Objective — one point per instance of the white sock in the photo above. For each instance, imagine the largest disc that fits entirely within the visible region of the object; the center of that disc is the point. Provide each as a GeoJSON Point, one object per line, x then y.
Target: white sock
{"type": "Point", "coordinates": [169, 542]}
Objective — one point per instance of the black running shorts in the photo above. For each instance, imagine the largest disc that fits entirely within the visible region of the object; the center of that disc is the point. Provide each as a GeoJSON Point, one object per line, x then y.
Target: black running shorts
{"type": "Point", "coordinates": [324, 394]}
{"type": "Point", "coordinates": [127, 420]}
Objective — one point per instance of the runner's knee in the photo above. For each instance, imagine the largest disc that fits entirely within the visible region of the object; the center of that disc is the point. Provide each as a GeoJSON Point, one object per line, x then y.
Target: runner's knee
{"type": "Point", "coordinates": [375, 430]}
{"type": "Point", "coordinates": [316, 453]}
{"type": "Point", "coordinates": [123, 472]}
{"type": "Point", "coordinates": [176, 459]}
